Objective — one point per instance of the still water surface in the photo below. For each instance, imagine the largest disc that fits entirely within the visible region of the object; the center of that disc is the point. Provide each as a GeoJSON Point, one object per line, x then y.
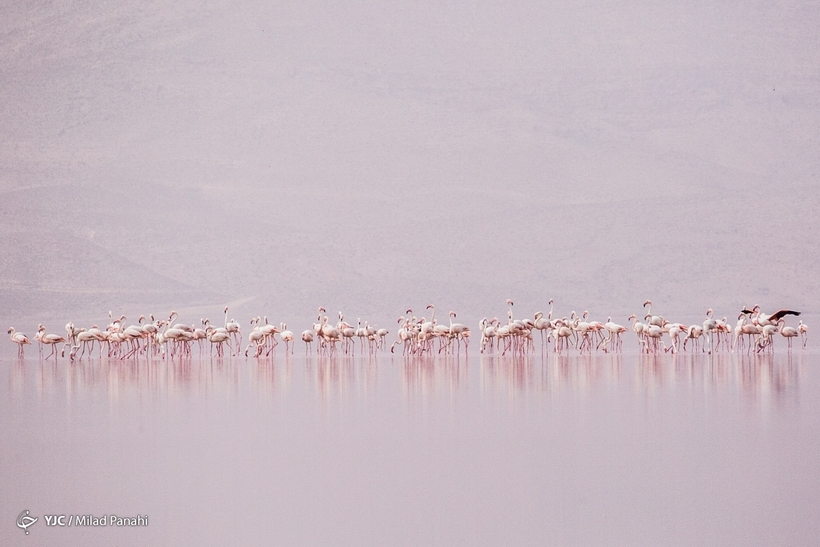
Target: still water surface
{"type": "Point", "coordinates": [600, 450]}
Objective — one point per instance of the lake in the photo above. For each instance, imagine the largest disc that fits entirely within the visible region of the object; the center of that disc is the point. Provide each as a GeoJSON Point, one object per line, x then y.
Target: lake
{"type": "Point", "coordinates": [304, 450]}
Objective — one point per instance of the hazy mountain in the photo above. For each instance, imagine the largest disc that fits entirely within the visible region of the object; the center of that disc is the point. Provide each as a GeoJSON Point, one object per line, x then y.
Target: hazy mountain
{"type": "Point", "coordinates": [371, 157]}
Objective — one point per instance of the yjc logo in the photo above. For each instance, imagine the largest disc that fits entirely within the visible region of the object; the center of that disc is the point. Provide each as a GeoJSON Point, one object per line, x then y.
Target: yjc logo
{"type": "Point", "coordinates": [24, 520]}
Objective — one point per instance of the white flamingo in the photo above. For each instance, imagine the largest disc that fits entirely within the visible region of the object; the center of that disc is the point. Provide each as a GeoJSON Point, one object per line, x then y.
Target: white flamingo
{"type": "Point", "coordinates": [307, 338]}
{"type": "Point", "coordinates": [218, 338]}
{"type": "Point", "coordinates": [804, 332]}
{"type": "Point", "coordinates": [233, 328]}
{"type": "Point", "coordinates": [616, 330]}
{"type": "Point", "coordinates": [84, 339]}
{"type": "Point", "coordinates": [20, 339]}
{"type": "Point", "coordinates": [656, 320]}
{"type": "Point", "coordinates": [382, 334]}
{"type": "Point", "coordinates": [50, 339]}
{"type": "Point", "coordinates": [457, 330]}
{"type": "Point", "coordinates": [638, 328]}
{"type": "Point", "coordinates": [788, 332]}
{"type": "Point", "coordinates": [709, 326]}
{"type": "Point", "coordinates": [287, 337]}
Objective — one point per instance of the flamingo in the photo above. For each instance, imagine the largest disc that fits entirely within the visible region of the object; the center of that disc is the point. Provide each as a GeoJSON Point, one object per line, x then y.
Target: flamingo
{"type": "Point", "coordinates": [656, 320]}
{"type": "Point", "coordinates": [217, 338]}
{"type": "Point", "coordinates": [654, 334]}
{"type": "Point", "coordinates": [371, 334]}
{"type": "Point", "coordinates": [638, 328]}
{"type": "Point", "coordinates": [709, 326]}
{"type": "Point", "coordinates": [616, 330]}
{"type": "Point", "coordinates": [51, 339]}
{"type": "Point", "coordinates": [543, 325]}
{"type": "Point", "coordinates": [738, 330]}
{"type": "Point", "coordinates": [382, 334]}
{"type": "Point", "coordinates": [804, 332]}
{"type": "Point", "coordinates": [232, 327]}
{"type": "Point", "coordinates": [72, 332]}
{"type": "Point", "coordinates": [693, 333]}
{"type": "Point", "coordinates": [330, 334]}
{"type": "Point", "coordinates": [287, 337]}
{"type": "Point", "coordinates": [584, 328]}
{"type": "Point", "coordinates": [83, 340]}
{"type": "Point", "coordinates": [788, 332]}
{"type": "Point", "coordinates": [562, 334]}
{"type": "Point", "coordinates": [457, 330]}
{"type": "Point", "coordinates": [763, 319]}
{"type": "Point", "coordinates": [489, 332]}
{"type": "Point", "coordinates": [360, 332]}
{"type": "Point", "coordinates": [427, 326]}
{"type": "Point", "coordinates": [750, 330]}
{"type": "Point", "coordinates": [307, 338]}
{"type": "Point", "coordinates": [403, 335]}
{"type": "Point", "coordinates": [256, 337]}
{"type": "Point", "coordinates": [200, 334]}
{"type": "Point", "coordinates": [133, 334]}
{"type": "Point", "coordinates": [20, 339]}
{"type": "Point", "coordinates": [317, 329]}
{"type": "Point", "coordinates": [269, 334]}
{"type": "Point", "coordinates": [766, 337]}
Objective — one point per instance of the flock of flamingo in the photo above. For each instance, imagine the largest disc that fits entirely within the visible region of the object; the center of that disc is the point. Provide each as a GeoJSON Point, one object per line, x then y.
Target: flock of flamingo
{"type": "Point", "coordinates": [754, 331]}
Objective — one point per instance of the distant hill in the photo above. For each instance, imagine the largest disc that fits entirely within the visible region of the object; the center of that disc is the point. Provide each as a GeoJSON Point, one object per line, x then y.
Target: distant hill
{"type": "Point", "coordinates": [187, 156]}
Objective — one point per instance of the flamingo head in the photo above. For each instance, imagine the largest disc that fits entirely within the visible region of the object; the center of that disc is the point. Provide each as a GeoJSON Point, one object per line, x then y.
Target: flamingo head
{"type": "Point", "coordinates": [647, 303]}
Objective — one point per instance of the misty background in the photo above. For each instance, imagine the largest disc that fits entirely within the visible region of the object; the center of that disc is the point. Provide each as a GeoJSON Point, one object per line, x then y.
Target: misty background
{"type": "Point", "coordinates": [369, 157]}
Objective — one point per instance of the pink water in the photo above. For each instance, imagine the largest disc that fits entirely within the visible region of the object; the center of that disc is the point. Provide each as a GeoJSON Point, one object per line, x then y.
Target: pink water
{"type": "Point", "coordinates": [601, 450]}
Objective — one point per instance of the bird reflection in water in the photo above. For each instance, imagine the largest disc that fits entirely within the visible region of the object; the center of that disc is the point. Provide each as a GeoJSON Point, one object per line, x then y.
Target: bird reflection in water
{"type": "Point", "coordinates": [758, 378]}
{"type": "Point", "coordinates": [270, 376]}
{"type": "Point", "coordinates": [119, 377]}
{"type": "Point", "coordinates": [341, 376]}
{"type": "Point", "coordinates": [507, 375]}
{"type": "Point", "coordinates": [770, 378]}
{"type": "Point", "coordinates": [582, 373]}
{"type": "Point", "coordinates": [428, 376]}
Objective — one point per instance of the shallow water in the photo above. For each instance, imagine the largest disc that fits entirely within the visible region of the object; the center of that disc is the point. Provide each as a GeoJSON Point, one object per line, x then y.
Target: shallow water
{"type": "Point", "coordinates": [601, 450]}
